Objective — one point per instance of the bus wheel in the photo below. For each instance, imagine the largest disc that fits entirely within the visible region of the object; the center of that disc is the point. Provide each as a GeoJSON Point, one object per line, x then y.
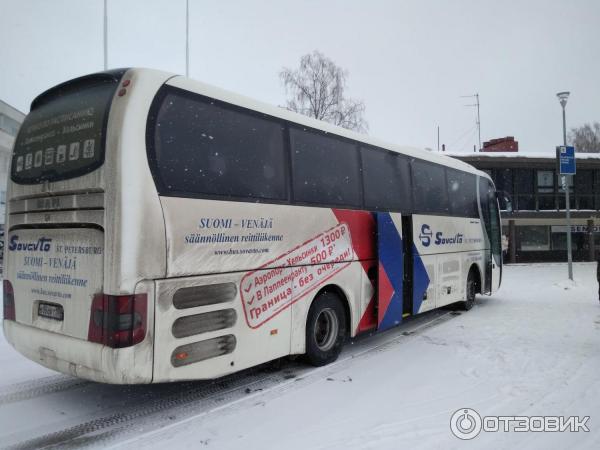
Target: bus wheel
{"type": "Point", "coordinates": [470, 292]}
{"type": "Point", "coordinates": [325, 329]}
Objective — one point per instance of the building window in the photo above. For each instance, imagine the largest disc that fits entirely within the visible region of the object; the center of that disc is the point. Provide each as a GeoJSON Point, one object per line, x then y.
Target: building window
{"type": "Point", "coordinates": [584, 189]}
{"type": "Point", "coordinates": [503, 180]}
{"type": "Point", "coordinates": [545, 189]}
{"type": "Point", "coordinates": [534, 238]}
{"type": "Point", "coordinates": [524, 189]}
{"type": "Point", "coordinates": [545, 181]}
{"type": "Point", "coordinates": [596, 189]}
{"type": "Point", "coordinates": [559, 241]}
{"type": "Point", "coordinates": [524, 181]}
{"type": "Point", "coordinates": [9, 125]}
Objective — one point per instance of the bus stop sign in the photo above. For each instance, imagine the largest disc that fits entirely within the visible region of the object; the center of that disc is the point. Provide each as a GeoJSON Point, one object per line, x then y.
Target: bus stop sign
{"type": "Point", "coordinates": [566, 160]}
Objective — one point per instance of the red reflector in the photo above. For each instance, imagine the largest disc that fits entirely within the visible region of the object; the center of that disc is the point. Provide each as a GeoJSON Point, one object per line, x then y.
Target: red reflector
{"type": "Point", "coordinates": [122, 92]}
{"type": "Point", "coordinates": [118, 321]}
{"type": "Point", "coordinates": [126, 83]}
{"type": "Point", "coordinates": [9, 301]}
{"type": "Point", "coordinates": [181, 355]}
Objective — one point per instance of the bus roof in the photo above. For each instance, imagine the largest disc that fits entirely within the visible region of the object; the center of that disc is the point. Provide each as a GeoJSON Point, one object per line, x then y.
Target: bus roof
{"type": "Point", "coordinates": [226, 96]}
{"type": "Point", "coordinates": [282, 113]}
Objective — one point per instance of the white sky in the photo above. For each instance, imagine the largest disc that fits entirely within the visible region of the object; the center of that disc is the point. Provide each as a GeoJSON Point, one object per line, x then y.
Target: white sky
{"type": "Point", "coordinates": [410, 61]}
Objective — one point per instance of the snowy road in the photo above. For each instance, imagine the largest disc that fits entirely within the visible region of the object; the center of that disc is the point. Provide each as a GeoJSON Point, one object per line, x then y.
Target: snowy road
{"type": "Point", "coordinates": [532, 349]}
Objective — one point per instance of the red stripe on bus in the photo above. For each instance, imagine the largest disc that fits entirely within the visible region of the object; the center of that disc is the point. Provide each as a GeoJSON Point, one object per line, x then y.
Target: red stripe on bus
{"type": "Point", "coordinates": [362, 230]}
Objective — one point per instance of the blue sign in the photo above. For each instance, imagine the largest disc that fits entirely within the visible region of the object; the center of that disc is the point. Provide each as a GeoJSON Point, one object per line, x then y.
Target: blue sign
{"type": "Point", "coordinates": [566, 160]}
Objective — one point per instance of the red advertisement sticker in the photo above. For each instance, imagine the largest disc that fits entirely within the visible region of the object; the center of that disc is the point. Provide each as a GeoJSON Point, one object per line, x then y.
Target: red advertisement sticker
{"type": "Point", "coordinates": [267, 292]}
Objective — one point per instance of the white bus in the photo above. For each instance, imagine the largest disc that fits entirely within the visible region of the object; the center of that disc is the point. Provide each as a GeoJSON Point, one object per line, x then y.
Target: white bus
{"type": "Point", "coordinates": [161, 229]}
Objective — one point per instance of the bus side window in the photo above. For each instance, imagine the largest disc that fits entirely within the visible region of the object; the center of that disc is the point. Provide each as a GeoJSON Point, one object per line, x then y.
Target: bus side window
{"type": "Point", "coordinates": [325, 170]}
{"type": "Point", "coordinates": [430, 193]}
{"type": "Point", "coordinates": [202, 147]}
{"type": "Point", "coordinates": [386, 180]}
{"type": "Point", "coordinates": [462, 193]}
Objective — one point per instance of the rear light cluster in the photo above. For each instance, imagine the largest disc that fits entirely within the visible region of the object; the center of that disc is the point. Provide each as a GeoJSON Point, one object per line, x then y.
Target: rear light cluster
{"type": "Point", "coordinates": [9, 301]}
{"type": "Point", "coordinates": [123, 91]}
{"type": "Point", "coordinates": [118, 321]}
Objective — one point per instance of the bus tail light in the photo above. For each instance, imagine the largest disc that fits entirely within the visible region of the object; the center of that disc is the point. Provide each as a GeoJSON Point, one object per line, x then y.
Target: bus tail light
{"type": "Point", "coordinates": [118, 321]}
{"type": "Point", "coordinates": [9, 301]}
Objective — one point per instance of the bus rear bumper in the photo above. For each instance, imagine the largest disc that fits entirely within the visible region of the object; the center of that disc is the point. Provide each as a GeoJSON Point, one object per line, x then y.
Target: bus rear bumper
{"type": "Point", "coordinates": [77, 357]}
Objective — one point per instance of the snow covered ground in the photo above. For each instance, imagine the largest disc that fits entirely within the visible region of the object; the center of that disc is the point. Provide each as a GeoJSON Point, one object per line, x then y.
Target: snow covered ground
{"type": "Point", "coordinates": [531, 349]}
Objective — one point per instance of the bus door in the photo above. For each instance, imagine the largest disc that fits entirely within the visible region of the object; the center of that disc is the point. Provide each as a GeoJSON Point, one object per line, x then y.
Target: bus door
{"type": "Point", "coordinates": [491, 222]}
{"type": "Point", "coordinates": [407, 244]}
{"type": "Point", "coordinates": [391, 274]}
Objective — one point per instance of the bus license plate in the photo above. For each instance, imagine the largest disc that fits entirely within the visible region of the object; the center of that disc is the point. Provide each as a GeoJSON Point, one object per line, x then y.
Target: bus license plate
{"type": "Point", "coordinates": [51, 311]}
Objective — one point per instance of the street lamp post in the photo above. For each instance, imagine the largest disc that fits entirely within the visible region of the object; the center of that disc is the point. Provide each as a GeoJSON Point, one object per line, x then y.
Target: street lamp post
{"type": "Point", "coordinates": [187, 38]}
{"type": "Point", "coordinates": [562, 98]}
{"type": "Point", "coordinates": [105, 35]}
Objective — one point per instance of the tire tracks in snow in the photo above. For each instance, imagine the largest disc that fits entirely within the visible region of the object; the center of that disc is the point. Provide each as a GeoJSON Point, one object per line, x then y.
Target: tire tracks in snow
{"type": "Point", "coordinates": [191, 400]}
{"type": "Point", "coordinates": [188, 393]}
{"type": "Point", "coordinates": [28, 390]}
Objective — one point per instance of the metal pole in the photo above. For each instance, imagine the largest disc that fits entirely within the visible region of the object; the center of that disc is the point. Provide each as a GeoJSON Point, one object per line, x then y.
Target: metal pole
{"type": "Point", "coordinates": [187, 38]}
{"type": "Point", "coordinates": [105, 36]}
{"type": "Point", "coordinates": [567, 202]}
{"type": "Point", "coordinates": [478, 121]}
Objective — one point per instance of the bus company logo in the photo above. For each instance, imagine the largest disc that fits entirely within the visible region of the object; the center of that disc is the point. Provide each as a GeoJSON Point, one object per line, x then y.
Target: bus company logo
{"type": "Point", "coordinates": [41, 245]}
{"type": "Point", "coordinates": [425, 235]}
{"type": "Point", "coordinates": [440, 239]}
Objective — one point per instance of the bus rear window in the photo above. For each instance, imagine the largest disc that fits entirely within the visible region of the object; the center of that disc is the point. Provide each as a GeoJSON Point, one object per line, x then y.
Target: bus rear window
{"type": "Point", "coordinates": [64, 134]}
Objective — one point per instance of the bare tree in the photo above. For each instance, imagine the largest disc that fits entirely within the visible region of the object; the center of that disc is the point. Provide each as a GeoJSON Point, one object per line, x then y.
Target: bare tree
{"type": "Point", "coordinates": [317, 88]}
{"type": "Point", "coordinates": [586, 139]}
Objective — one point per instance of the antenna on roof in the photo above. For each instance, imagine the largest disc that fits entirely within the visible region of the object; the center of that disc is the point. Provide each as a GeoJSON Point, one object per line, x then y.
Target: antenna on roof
{"type": "Point", "coordinates": [476, 104]}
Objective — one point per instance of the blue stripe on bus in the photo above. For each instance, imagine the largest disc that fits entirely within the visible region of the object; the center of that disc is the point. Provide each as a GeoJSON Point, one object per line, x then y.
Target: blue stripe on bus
{"type": "Point", "coordinates": [391, 258]}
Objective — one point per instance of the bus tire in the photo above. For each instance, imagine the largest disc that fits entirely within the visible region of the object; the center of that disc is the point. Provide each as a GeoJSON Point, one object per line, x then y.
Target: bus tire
{"type": "Point", "coordinates": [325, 329]}
{"type": "Point", "coordinates": [470, 291]}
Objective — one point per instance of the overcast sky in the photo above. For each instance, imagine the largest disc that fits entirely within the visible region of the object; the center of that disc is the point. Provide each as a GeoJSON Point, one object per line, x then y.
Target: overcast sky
{"type": "Point", "coordinates": [410, 61]}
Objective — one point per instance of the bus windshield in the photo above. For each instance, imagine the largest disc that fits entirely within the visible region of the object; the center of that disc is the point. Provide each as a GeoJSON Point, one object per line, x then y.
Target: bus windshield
{"type": "Point", "coordinates": [64, 138]}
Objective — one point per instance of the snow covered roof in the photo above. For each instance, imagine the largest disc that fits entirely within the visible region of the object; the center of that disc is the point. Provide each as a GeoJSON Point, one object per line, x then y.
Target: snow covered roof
{"type": "Point", "coordinates": [536, 155]}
